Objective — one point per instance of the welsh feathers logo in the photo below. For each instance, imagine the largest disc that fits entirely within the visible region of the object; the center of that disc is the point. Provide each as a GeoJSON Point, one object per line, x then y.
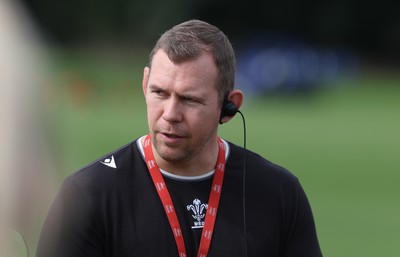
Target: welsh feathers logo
{"type": "Point", "coordinates": [198, 211]}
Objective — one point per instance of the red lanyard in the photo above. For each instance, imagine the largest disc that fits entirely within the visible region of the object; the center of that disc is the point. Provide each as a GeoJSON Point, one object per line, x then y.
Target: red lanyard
{"type": "Point", "coordinates": [169, 208]}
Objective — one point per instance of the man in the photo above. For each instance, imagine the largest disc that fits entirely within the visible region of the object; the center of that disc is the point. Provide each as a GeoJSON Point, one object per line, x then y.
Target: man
{"type": "Point", "coordinates": [179, 190]}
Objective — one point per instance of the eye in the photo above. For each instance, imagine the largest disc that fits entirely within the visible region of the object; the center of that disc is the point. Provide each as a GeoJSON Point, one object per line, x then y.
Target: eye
{"type": "Point", "coordinates": [159, 92]}
{"type": "Point", "coordinates": [189, 99]}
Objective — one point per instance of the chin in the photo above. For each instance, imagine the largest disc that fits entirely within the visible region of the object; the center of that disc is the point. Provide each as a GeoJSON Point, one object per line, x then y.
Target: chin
{"type": "Point", "coordinates": [174, 157]}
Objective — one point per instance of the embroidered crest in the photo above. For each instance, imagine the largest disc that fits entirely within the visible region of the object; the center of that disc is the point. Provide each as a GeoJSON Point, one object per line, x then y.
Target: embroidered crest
{"type": "Point", "coordinates": [198, 210]}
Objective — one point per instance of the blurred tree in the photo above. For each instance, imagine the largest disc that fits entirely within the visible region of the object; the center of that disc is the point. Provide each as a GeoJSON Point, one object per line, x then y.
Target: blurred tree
{"type": "Point", "coordinates": [74, 21]}
{"type": "Point", "coordinates": [369, 26]}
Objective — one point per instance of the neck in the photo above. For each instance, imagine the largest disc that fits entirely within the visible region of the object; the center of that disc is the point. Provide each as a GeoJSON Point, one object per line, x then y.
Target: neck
{"type": "Point", "coordinates": [196, 166]}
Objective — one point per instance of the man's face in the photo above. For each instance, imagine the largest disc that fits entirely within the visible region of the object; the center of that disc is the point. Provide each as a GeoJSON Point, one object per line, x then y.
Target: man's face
{"type": "Point", "coordinates": [182, 107]}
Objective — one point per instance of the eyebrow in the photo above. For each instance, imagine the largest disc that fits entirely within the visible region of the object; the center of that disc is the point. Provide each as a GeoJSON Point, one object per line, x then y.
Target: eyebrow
{"type": "Point", "coordinates": [152, 86]}
{"type": "Point", "coordinates": [184, 95]}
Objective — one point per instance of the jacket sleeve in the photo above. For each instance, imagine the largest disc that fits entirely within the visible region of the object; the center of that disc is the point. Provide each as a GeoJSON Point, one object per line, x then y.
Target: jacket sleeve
{"type": "Point", "coordinates": [71, 228]}
{"type": "Point", "coordinates": [301, 239]}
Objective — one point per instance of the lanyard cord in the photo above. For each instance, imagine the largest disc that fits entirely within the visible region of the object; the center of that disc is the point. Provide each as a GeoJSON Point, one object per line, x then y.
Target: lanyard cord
{"type": "Point", "coordinates": [169, 208]}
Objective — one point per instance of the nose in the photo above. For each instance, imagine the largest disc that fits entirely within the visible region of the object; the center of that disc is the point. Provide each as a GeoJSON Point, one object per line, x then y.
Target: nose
{"type": "Point", "coordinates": [172, 110]}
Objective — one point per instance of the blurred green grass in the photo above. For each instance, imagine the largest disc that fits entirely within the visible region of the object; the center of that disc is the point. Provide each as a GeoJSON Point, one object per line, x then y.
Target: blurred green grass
{"type": "Point", "coordinates": [343, 141]}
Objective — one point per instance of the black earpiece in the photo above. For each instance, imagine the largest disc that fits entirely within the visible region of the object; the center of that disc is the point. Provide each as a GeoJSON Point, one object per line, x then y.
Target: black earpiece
{"type": "Point", "coordinates": [228, 109]}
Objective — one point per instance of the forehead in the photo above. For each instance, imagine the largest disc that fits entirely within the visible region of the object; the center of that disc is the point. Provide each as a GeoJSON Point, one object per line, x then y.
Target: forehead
{"type": "Point", "coordinates": [199, 72]}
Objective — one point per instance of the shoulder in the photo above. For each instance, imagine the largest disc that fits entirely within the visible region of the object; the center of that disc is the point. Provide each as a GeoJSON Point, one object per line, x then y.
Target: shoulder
{"type": "Point", "coordinates": [110, 169]}
{"type": "Point", "coordinates": [259, 168]}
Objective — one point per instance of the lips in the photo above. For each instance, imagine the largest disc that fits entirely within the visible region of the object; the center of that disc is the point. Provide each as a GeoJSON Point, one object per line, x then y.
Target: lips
{"type": "Point", "coordinates": [170, 140]}
{"type": "Point", "coordinates": [171, 135]}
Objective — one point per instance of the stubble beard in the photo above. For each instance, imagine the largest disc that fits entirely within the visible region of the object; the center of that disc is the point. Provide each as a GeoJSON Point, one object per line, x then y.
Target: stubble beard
{"type": "Point", "coordinates": [178, 154]}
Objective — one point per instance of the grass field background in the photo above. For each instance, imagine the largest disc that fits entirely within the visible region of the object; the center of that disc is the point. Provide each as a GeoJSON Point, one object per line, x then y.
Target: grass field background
{"type": "Point", "coordinates": [342, 141]}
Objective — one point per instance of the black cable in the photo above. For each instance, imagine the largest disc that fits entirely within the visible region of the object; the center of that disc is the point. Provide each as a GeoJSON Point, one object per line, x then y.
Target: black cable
{"type": "Point", "coordinates": [244, 186]}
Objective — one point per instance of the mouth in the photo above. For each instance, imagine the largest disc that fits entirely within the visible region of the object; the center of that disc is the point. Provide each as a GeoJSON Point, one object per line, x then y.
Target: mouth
{"type": "Point", "coordinates": [172, 136]}
{"type": "Point", "coordinates": [171, 140]}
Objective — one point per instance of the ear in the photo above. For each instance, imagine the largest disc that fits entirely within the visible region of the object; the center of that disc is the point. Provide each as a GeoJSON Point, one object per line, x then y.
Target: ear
{"type": "Point", "coordinates": [145, 81]}
{"type": "Point", "coordinates": [236, 97]}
